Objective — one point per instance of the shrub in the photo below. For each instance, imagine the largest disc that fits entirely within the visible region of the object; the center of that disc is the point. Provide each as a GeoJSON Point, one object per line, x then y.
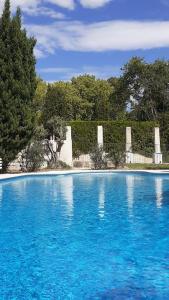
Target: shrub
{"type": "Point", "coordinates": [98, 158]}
{"type": "Point", "coordinates": [32, 158]}
{"type": "Point", "coordinates": [84, 135]}
{"type": "Point", "coordinates": [117, 154]}
{"type": "Point", "coordinates": [148, 166]}
{"type": "Point", "coordinates": [63, 165]}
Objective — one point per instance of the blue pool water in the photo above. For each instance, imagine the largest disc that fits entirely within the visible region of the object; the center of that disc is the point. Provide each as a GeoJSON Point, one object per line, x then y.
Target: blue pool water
{"type": "Point", "coordinates": [89, 236]}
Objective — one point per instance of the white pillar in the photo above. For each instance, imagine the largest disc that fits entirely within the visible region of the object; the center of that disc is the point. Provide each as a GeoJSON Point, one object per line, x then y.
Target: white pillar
{"type": "Point", "coordinates": [100, 136]}
{"type": "Point", "coordinates": [129, 154]}
{"type": "Point", "coordinates": [66, 151]}
{"type": "Point", "coordinates": [0, 163]}
{"type": "Point", "coordinates": [158, 159]}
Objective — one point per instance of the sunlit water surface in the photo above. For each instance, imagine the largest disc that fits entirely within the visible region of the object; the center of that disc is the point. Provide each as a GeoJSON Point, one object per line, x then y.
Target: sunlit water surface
{"type": "Point", "coordinates": [89, 236]}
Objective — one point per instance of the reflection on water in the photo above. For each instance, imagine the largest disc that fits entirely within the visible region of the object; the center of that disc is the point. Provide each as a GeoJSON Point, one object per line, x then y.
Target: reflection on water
{"type": "Point", "coordinates": [1, 194]}
{"type": "Point", "coordinates": [159, 191]}
{"type": "Point", "coordinates": [66, 186]}
{"type": "Point", "coordinates": [44, 189]}
{"type": "Point", "coordinates": [101, 198]}
{"type": "Point", "coordinates": [54, 227]}
{"type": "Point", "coordinates": [130, 193]}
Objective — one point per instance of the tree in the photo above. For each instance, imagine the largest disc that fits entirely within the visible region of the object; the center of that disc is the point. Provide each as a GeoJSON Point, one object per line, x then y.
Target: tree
{"type": "Point", "coordinates": [63, 100]}
{"type": "Point", "coordinates": [102, 103]}
{"type": "Point", "coordinates": [39, 98]}
{"type": "Point", "coordinates": [117, 154]}
{"type": "Point", "coordinates": [55, 136]}
{"type": "Point", "coordinates": [17, 86]}
{"type": "Point", "coordinates": [118, 103]}
{"type": "Point", "coordinates": [98, 158]}
{"type": "Point", "coordinates": [96, 92]}
{"type": "Point", "coordinates": [33, 156]}
{"type": "Point", "coordinates": [145, 88]}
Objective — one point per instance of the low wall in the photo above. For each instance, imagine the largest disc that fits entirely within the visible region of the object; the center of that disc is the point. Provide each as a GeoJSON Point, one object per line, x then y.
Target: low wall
{"type": "Point", "coordinates": [140, 159]}
{"type": "Point", "coordinates": [84, 161]}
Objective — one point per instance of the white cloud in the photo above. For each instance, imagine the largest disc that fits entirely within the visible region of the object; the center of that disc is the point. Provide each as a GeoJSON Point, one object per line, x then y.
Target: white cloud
{"type": "Point", "coordinates": [70, 4]}
{"type": "Point", "coordinates": [56, 70]}
{"type": "Point", "coordinates": [34, 8]}
{"type": "Point", "coordinates": [39, 53]}
{"type": "Point", "coordinates": [93, 3]}
{"type": "Point", "coordinates": [101, 36]}
{"type": "Point", "coordinates": [44, 11]}
{"type": "Point", "coordinates": [24, 4]}
{"type": "Point", "coordinates": [67, 73]}
{"type": "Point", "coordinates": [28, 6]}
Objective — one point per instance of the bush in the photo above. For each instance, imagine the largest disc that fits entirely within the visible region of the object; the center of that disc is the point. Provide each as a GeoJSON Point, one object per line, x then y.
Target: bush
{"type": "Point", "coordinates": [63, 165]}
{"type": "Point", "coordinates": [98, 158]}
{"type": "Point", "coordinates": [84, 135]}
{"type": "Point", "coordinates": [32, 158]}
{"type": "Point", "coordinates": [117, 154]}
{"type": "Point", "coordinates": [148, 166]}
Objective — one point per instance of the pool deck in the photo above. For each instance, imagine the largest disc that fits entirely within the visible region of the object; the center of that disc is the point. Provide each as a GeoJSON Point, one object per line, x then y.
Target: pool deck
{"type": "Point", "coordinates": [78, 171]}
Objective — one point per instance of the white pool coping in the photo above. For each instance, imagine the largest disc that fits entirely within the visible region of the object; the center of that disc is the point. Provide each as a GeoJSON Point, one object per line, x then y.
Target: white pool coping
{"type": "Point", "coordinates": [78, 171]}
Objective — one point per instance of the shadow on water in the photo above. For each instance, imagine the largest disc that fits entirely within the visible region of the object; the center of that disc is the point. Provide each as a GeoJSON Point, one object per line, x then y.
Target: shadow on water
{"type": "Point", "coordinates": [130, 292]}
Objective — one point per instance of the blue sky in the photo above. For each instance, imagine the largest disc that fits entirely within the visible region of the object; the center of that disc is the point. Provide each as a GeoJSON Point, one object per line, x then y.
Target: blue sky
{"type": "Point", "coordinates": [94, 36]}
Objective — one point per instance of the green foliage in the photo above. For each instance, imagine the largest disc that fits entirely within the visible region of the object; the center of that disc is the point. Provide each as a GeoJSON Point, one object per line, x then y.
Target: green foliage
{"type": "Point", "coordinates": [32, 157]}
{"type": "Point", "coordinates": [84, 135]}
{"type": "Point", "coordinates": [55, 129]}
{"type": "Point", "coordinates": [98, 158]}
{"type": "Point", "coordinates": [145, 88]}
{"type": "Point", "coordinates": [147, 166]}
{"type": "Point", "coordinates": [84, 98]}
{"type": "Point", "coordinates": [143, 137]}
{"type": "Point", "coordinates": [17, 86]}
{"type": "Point", "coordinates": [164, 131]}
{"type": "Point", "coordinates": [97, 93]}
{"type": "Point", "coordinates": [39, 99]}
{"type": "Point", "coordinates": [118, 98]}
{"type": "Point", "coordinates": [117, 154]}
{"type": "Point", "coordinates": [63, 100]}
{"type": "Point", "coordinates": [63, 165]}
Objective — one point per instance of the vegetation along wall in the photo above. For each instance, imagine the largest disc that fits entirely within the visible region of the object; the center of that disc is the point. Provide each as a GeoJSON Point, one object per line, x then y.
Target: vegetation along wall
{"type": "Point", "coordinates": [84, 135]}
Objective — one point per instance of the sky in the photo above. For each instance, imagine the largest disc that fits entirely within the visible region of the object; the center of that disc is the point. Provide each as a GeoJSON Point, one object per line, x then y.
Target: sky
{"type": "Point", "coordinates": [94, 36]}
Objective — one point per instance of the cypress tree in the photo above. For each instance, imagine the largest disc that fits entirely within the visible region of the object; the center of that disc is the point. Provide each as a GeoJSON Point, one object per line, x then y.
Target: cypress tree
{"type": "Point", "coordinates": [17, 86]}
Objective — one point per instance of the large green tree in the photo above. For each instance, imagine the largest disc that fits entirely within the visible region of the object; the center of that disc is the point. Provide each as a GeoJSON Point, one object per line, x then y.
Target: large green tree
{"type": "Point", "coordinates": [85, 98]}
{"type": "Point", "coordinates": [118, 103]}
{"type": "Point", "coordinates": [40, 94]}
{"type": "Point", "coordinates": [17, 86]}
{"type": "Point", "coordinates": [63, 100]}
{"type": "Point", "coordinates": [146, 88]}
{"type": "Point", "coordinates": [96, 92]}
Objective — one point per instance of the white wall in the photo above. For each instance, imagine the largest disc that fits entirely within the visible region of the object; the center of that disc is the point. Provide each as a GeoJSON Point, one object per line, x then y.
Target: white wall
{"type": "Point", "coordinates": [66, 151]}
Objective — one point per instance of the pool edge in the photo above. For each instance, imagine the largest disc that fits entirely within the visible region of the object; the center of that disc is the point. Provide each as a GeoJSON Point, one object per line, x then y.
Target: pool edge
{"type": "Point", "coordinates": [71, 172]}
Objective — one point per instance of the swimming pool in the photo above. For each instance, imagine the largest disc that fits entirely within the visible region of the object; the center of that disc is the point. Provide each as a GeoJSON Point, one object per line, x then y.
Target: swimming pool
{"type": "Point", "coordinates": [88, 236]}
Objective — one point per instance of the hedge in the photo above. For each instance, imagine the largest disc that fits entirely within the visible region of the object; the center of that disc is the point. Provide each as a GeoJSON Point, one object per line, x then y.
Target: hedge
{"type": "Point", "coordinates": [84, 135]}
